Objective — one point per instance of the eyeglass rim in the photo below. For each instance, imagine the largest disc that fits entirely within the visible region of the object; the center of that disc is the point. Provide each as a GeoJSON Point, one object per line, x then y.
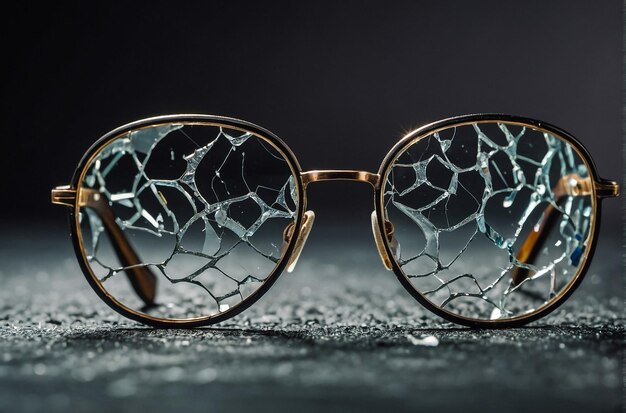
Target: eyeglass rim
{"type": "Point", "coordinates": [198, 119]}
{"type": "Point", "coordinates": [427, 130]}
{"type": "Point", "coordinates": [301, 190]}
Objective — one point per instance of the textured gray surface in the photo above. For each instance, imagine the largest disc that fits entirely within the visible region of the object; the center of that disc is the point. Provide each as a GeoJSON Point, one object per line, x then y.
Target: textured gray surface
{"type": "Point", "coordinates": [338, 334]}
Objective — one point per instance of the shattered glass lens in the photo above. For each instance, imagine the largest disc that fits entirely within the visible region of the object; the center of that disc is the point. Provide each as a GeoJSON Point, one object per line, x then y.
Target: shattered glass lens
{"type": "Point", "coordinates": [492, 219]}
{"type": "Point", "coordinates": [180, 221]}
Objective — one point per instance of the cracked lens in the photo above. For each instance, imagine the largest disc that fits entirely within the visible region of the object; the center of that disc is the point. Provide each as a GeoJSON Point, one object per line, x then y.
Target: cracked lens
{"type": "Point", "coordinates": [465, 200]}
{"type": "Point", "coordinates": [204, 207]}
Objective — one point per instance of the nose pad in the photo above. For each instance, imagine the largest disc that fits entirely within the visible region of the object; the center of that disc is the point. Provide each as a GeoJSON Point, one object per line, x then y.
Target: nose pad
{"type": "Point", "coordinates": [305, 230]}
{"type": "Point", "coordinates": [378, 237]}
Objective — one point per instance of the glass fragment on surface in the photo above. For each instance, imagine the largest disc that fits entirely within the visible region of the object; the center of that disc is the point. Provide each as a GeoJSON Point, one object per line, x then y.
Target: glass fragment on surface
{"type": "Point", "coordinates": [464, 201]}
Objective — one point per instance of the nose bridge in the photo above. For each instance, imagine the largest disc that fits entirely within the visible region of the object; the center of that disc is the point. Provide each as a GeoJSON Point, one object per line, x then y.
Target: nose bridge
{"type": "Point", "coordinates": [344, 175]}
{"type": "Point", "coordinates": [339, 175]}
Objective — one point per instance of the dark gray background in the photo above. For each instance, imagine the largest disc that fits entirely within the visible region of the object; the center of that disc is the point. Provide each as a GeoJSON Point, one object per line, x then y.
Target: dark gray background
{"type": "Point", "coordinates": [340, 82]}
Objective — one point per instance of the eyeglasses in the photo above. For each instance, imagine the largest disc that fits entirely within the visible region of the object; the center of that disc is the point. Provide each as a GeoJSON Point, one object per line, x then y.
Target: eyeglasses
{"type": "Point", "coordinates": [186, 220]}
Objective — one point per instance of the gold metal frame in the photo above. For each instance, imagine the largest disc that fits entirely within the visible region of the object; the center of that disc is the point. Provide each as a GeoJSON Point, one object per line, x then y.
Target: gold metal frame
{"type": "Point", "coordinates": [600, 189]}
{"type": "Point", "coordinates": [296, 234]}
{"type": "Point", "coordinates": [339, 175]}
{"type": "Point", "coordinates": [71, 196]}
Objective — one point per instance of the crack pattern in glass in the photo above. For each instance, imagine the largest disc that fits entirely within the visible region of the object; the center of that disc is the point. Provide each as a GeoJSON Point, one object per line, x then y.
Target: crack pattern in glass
{"type": "Point", "coordinates": [464, 200]}
{"type": "Point", "coordinates": [204, 206]}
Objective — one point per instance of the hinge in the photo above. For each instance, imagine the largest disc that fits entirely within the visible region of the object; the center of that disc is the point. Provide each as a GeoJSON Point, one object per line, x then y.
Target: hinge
{"type": "Point", "coordinates": [607, 189]}
{"type": "Point", "coordinates": [64, 195]}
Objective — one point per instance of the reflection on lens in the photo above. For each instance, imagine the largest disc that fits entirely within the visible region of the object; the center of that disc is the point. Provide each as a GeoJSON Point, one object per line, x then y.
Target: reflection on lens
{"type": "Point", "coordinates": [180, 221]}
{"type": "Point", "coordinates": [493, 219]}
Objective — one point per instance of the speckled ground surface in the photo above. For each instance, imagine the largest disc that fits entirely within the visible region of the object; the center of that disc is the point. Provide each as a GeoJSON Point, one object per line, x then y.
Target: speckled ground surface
{"type": "Point", "coordinates": [338, 334]}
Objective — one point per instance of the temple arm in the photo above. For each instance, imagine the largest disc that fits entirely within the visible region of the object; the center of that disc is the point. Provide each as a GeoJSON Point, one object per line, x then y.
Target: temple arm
{"type": "Point", "coordinates": [141, 278]}
{"type": "Point", "coordinates": [569, 185]}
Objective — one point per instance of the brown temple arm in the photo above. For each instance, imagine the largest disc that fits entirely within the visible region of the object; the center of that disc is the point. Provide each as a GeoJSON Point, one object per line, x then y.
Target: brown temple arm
{"type": "Point", "coordinates": [568, 185]}
{"type": "Point", "coordinates": [141, 278]}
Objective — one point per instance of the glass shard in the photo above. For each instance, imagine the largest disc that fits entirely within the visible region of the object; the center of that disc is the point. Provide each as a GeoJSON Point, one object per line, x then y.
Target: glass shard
{"type": "Point", "coordinates": [203, 206]}
{"type": "Point", "coordinates": [465, 243]}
